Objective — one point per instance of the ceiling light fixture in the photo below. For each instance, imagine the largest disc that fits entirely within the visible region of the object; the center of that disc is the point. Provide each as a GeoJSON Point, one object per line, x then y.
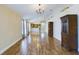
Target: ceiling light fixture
{"type": "Point", "coordinates": [40, 9]}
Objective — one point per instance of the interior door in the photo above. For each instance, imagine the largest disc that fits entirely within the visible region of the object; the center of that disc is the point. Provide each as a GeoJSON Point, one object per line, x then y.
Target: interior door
{"type": "Point", "coordinates": [50, 29]}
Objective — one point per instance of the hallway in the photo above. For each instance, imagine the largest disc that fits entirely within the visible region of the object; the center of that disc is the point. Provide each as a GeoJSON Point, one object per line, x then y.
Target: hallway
{"type": "Point", "coordinates": [42, 45]}
{"type": "Point", "coordinates": [39, 29]}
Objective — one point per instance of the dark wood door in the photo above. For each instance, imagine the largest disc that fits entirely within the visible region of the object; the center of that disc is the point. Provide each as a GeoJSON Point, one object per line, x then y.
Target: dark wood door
{"type": "Point", "coordinates": [50, 29]}
{"type": "Point", "coordinates": [73, 39]}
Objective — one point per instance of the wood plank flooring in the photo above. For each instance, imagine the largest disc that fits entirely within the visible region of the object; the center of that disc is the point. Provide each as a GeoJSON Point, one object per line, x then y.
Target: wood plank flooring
{"type": "Point", "coordinates": [40, 44]}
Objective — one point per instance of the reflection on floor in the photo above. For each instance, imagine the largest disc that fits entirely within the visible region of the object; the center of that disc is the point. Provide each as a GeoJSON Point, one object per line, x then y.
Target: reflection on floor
{"type": "Point", "coordinates": [42, 45]}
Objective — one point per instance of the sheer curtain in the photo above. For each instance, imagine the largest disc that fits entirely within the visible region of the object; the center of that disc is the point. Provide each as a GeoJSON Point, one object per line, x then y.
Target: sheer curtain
{"type": "Point", "coordinates": [24, 28]}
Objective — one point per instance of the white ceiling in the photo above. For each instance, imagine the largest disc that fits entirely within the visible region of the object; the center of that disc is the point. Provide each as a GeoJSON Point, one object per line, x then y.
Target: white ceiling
{"type": "Point", "coordinates": [28, 11]}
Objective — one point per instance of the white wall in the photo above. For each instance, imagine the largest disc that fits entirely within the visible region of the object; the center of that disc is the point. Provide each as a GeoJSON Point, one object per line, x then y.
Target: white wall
{"type": "Point", "coordinates": [47, 27]}
{"type": "Point", "coordinates": [74, 9]}
{"type": "Point", "coordinates": [43, 27]}
{"type": "Point", "coordinates": [10, 28]}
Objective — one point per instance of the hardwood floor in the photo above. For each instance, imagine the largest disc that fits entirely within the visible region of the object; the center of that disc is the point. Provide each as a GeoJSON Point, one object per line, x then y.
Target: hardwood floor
{"type": "Point", "coordinates": [41, 44]}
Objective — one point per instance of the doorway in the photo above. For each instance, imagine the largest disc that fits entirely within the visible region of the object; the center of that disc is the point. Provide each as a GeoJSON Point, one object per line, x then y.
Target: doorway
{"type": "Point", "coordinates": [50, 29]}
{"type": "Point", "coordinates": [35, 28]}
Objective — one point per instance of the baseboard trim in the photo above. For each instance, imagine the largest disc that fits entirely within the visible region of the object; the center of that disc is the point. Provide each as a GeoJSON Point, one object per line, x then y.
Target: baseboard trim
{"type": "Point", "coordinates": [10, 46]}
